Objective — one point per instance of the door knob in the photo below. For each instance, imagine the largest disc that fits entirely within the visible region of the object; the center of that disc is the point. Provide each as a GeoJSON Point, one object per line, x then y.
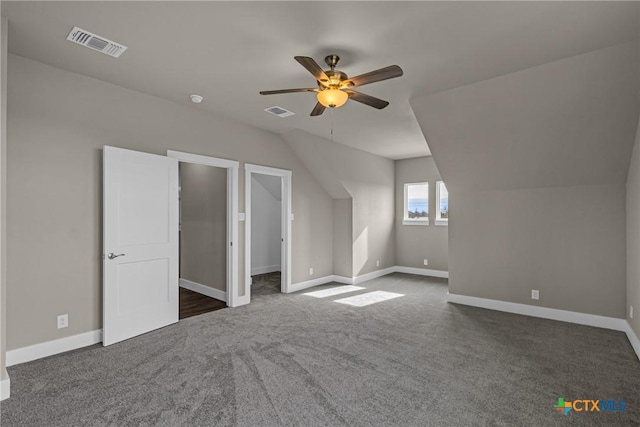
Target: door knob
{"type": "Point", "coordinates": [112, 255]}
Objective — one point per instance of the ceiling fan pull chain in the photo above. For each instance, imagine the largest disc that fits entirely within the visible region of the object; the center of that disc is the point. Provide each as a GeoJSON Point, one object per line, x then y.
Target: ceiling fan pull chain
{"type": "Point", "coordinates": [332, 124]}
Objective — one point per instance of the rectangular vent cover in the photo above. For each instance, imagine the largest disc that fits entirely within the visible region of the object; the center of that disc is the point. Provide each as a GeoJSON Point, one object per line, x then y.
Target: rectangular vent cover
{"type": "Point", "coordinates": [99, 43]}
{"type": "Point", "coordinates": [279, 111]}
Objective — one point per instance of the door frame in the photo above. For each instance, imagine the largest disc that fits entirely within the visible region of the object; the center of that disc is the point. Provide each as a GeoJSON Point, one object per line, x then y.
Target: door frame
{"type": "Point", "coordinates": [286, 216]}
{"type": "Point", "coordinates": [232, 167]}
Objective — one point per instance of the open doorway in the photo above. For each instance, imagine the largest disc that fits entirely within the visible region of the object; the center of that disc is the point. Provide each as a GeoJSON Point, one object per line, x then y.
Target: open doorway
{"type": "Point", "coordinates": [202, 239]}
{"type": "Point", "coordinates": [208, 259]}
{"type": "Point", "coordinates": [267, 230]}
{"type": "Point", "coordinates": [266, 234]}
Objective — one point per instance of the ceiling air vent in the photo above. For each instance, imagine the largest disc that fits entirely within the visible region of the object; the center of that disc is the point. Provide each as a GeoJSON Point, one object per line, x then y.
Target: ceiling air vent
{"type": "Point", "coordinates": [87, 39]}
{"type": "Point", "coordinates": [279, 111]}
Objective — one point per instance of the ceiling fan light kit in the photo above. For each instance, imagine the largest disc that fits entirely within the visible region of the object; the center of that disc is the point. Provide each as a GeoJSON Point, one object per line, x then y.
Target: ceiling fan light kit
{"type": "Point", "coordinates": [335, 87]}
{"type": "Point", "coordinates": [332, 98]}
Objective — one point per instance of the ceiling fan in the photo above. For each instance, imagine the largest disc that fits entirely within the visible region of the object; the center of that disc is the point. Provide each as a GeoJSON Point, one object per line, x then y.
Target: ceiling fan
{"type": "Point", "coordinates": [335, 87]}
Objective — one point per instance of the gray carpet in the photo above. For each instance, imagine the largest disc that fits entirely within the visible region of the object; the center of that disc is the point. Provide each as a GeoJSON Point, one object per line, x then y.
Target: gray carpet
{"type": "Point", "coordinates": [302, 361]}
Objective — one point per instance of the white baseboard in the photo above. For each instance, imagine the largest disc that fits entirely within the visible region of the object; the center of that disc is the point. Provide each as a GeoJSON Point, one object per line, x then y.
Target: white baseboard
{"type": "Point", "coordinates": [5, 388]}
{"type": "Point", "coordinates": [373, 275]}
{"type": "Point", "coordinates": [295, 287]}
{"type": "Point", "coordinates": [343, 279]}
{"type": "Point", "coordinates": [422, 271]}
{"type": "Point", "coordinates": [265, 270]}
{"type": "Point", "coordinates": [204, 290]}
{"type": "Point", "coordinates": [365, 277]}
{"type": "Point", "coordinates": [604, 322]}
{"type": "Point", "coordinates": [633, 339]}
{"type": "Point", "coordinates": [542, 312]}
{"type": "Point", "coordinates": [49, 348]}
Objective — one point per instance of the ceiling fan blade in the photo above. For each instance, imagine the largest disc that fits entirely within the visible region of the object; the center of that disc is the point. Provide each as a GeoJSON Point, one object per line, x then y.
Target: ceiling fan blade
{"type": "Point", "coordinates": [274, 92]}
{"type": "Point", "coordinates": [390, 72]}
{"type": "Point", "coordinates": [369, 100]}
{"type": "Point", "coordinates": [313, 67]}
{"type": "Point", "coordinates": [318, 109]}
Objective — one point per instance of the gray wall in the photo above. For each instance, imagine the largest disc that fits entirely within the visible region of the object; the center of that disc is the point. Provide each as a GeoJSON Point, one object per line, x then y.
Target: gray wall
{"type": "Point", "coordinates": [57, 124]}
{"type": "Point", "coordinates": [415, 243]}
{"type": "Point", "coordinates": [633, 237]}
{"type": "Point", "coordinates": [369, 181]}
{"type": "Point", "coordinates": [4, 26]}
{"type": "Point", "coordinates": [266, 224]}
{"type": "Point", "coordinates": [203, 229]}
{"type": "Point", "coordinates": [342, 237]}
{"type": "Point", "coordinates": [536, 164]}
{"type": "Point", "coordinates": [566, 242]}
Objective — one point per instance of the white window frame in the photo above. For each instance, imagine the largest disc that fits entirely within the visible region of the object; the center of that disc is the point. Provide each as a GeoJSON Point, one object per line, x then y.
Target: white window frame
{"type": "Point", "coordinates": [440, 220]}
{"type": "Point", "coordinates": [405, 205]}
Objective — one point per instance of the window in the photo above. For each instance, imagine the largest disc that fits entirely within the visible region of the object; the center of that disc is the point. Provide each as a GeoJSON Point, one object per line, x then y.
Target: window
{"type": "Point", "coordinates": [416, 203]}
{"type": "Point", "coordinates": [442, 197]}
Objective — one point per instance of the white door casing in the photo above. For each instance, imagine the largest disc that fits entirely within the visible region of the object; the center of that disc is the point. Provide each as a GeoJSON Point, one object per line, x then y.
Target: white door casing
{"type": "Point", "coordinates": [286, 217]}
{"type": "Point", "coordinates": [232, 166]}
{"type": "Point", "coordinates": [140, 243]}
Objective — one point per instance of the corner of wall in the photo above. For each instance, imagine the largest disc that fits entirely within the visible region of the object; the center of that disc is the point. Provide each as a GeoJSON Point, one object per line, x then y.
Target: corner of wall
{"type": "Point", "coordinates": [633, 237]}
{"type": "Point", "coordinates": [4, 376]}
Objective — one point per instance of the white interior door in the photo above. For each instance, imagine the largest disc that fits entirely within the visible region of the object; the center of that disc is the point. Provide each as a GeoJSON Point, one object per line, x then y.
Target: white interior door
{"type": "Point", "coordinates": [140, 266]}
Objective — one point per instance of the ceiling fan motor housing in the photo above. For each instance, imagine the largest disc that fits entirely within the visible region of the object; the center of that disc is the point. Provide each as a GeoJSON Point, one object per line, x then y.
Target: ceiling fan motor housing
{"type": "Point", "coordinates": [336, 78]}
{"type": "Point", "coordinates": [332, 60]}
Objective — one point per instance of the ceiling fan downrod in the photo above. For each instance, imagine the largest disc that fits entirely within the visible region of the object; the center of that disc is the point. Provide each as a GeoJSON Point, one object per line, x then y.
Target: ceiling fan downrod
{"type": "Point", "coordinates": [332, 61]}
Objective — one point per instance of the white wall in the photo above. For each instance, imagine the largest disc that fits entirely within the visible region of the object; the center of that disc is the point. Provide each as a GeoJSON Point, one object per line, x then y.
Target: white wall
{"type": "Point", "coordinates": [266, 212]}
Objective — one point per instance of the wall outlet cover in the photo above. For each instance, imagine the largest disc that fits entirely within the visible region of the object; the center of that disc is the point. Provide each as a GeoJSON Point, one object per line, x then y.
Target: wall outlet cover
{"type": "Point", "coordinates": [63, 321]}
{"type": "Point", "coordinates": [535, 294]}
{"type": "Point", "coordinates": [310, 271]}
{"type": "Point", "coordinates": [426, 262]}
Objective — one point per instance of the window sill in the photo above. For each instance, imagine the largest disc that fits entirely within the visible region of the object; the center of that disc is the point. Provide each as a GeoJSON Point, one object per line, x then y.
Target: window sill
{"type": "Point", "coordinates": [415, 222]}
{"type": "Point", "coordinates": [441, 222]}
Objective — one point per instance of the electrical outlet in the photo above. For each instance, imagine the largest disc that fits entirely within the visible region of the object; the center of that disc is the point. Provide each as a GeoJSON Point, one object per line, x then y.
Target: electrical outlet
{"type": "Point", "coordinates": [63, 321]}
{"type": "Point", "coordinates": [378, 263]}
{"type": "Point", "coordinates": [310, 271]}
{"type": "Point", "coordinates": [426, 261]}
{"type": "Point", "coordinates": [535, 294]}
{"type": "Point", "coordinates": [630, 312]}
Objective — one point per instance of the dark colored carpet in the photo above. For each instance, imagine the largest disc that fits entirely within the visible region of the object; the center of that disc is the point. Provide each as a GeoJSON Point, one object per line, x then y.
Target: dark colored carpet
{"type": "Point", "coordinates": [265, 284]}
{"type": "Point", "coordinates": [297, 360]}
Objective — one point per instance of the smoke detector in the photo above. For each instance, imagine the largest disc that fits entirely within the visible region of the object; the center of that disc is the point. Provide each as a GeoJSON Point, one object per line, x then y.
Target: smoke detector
{"type": "Point", "coordinates": [95, 42]}
{"type": "Point", "coordinates": [196, 99]}
{"type": "Point", "coordinates": [279, 111]}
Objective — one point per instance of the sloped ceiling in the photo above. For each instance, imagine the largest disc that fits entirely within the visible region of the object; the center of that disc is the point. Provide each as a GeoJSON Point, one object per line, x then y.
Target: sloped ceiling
{"type": "Point", "coordinates": [565, 123]}
{"type": "Point", "coordinates": [314, 153]}
{"type": "Point", "coordinates": [229, 51]}
{"type": "Point", "coordinates": [270, 183]}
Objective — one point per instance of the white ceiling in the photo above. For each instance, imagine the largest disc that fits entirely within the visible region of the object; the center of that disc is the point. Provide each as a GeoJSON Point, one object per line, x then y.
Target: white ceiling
{"type": "Point", "coordinates": [229, 51]}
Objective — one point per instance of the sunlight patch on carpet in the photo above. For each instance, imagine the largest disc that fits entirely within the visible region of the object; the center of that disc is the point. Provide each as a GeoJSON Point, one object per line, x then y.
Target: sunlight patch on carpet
{"type": "Point", "coordinates": [368, 298]}
{"type": "Point", "coordinates": [334, 291]}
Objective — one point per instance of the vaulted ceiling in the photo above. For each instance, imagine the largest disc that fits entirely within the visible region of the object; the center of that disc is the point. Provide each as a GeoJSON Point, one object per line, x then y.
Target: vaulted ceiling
{"type": "Point", "coordinates": [229, 51]}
